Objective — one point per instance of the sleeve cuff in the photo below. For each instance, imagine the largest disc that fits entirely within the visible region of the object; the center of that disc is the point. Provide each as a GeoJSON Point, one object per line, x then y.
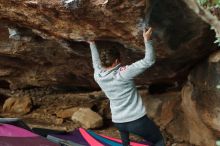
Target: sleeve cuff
{"type": "Point", "coordinates": [148, 41]}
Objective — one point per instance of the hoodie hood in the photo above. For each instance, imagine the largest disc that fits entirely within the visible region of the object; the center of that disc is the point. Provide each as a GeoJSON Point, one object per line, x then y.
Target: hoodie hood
{"type": "Point", "coordinates": [104, 72]}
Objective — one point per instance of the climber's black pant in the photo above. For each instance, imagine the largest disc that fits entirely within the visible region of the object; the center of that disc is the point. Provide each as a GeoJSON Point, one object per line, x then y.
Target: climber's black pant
{"type": "Point", "coordinates": [143, 127]}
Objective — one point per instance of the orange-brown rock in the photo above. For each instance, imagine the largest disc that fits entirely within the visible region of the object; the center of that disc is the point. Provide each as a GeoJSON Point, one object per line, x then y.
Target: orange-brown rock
{"type": "Point", "coordinates": [45, 52]}
{"type": "Point", "coordinates": [63, 62]}
{"type": "Point", "coordinates": [87, 118]}
{"type": "Point", "coordinates": [66, 113]}
{"type": "Point", "coordinates": [18, 105]}
{"type": "Point", "coordinates": [193, 122]}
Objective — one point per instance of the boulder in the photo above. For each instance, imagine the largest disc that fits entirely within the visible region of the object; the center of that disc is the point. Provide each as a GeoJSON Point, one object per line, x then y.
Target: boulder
{"type": "Point", "coordinates": [17, 105]}
{"type": "Point", "coordinates": [59, 121]}
{"type": "Point", "coordinates": [51, 52]}
{"type": "Point", "coordinates": [55, 57]}
{"type": "Point", "coordinates": [87, 118]}
{"type": "Point", "coordinates": [199, 133]}
{"type": "Point", "coordinates": [161, 107]}
{"type": "Point", "coordinates": [206, 79]}
{"type": "Point", "coordinates": [152, 106]}
{"type": "Point", "coordinates": [202, 106]}
{"type": "Point", "coordinates": [178, 129]}
{"type": "Point", "coordinates": [168, 112]}
{"type": "Point", "coordinates": [77, 20]}
{"type": "Point", "coordinates": [66, 113]}
{"type": "Point", "coordinates": [197, 119]}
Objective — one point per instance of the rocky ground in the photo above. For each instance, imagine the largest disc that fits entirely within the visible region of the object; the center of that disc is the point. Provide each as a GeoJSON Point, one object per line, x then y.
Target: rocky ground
{"type": "Point", "coordinates": [52, 109]}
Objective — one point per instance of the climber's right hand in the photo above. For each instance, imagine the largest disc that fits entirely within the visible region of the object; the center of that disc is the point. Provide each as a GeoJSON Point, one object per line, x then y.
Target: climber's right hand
{"type": "Point", "coordinates": [90, 41]}
{"type": "Point", "coordinates": [147, 34]}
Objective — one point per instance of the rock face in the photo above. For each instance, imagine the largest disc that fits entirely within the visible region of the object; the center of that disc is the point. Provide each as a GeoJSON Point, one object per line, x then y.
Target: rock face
{"type": "Point", "coordinates": [35, 61]}
{"type": "Point", "coordinates": [193, 121]}
{"type": "Point", "coordinates": [162, 108]}
{"type": "Point", "coordinates": [79, 21]}
{"type": "Point", "coordinates": [87, 118]}
{"type": "Point", "coordinates": [206, 80]}
{"type": "Point", "coordinates": [18, 105]}
{"type": "Point", "coordinates": [193, 115]}
{"type": "Point", "coordinates": [199, 113]}
{"type": "Point", "coordinates": [47, 49]}
{"type": "Point", "coordinates": [66, 113]}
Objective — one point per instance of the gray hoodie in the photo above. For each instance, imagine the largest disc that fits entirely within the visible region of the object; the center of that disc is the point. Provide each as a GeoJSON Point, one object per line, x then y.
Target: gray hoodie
{"type": "Point", "coordinates": [117, 83]}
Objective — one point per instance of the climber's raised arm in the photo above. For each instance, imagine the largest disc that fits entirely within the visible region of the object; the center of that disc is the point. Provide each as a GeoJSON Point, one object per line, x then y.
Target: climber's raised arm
{"type": "Point", "coordinates": [95, 55]}
{"type": "Point", "coordinates": [131, 71]}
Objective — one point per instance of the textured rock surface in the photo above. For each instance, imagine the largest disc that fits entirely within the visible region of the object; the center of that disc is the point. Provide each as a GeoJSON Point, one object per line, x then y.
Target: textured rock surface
{"type": "Point", "coordinates": [61, 61]}
{"type": "Point", "coordinates": [193, 116]}
{"type": "Point", "coordinates": [175, 120]}
{"type": "Point", "coordinates": [206, 79]}
{"type": "Point", "coordinates": [194, 123]}
{"type": "Point", "coordinates": [199, 113]}
{"type": "Point", "coordinates": [66, 113]}
{"type": "Point", "coordinates": [87, 118]}
{"type": "Point", "coordinates": [18, 105]}
{"type": "Point", "coordinates": [46, 53]}
{"type": "Point", "coordinates": [87, 19]}
{"type": "Point", "coordinates": [161, 107]}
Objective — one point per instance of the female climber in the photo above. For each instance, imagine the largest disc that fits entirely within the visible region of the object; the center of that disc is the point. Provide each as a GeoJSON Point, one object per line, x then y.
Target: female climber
{"type": "Point", "coordinates": [116, 81]}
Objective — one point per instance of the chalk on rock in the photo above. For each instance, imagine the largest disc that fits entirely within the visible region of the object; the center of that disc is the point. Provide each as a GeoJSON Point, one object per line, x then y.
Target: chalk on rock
{"type": "Point", "coordinates": [73, 4]}
{"type": "Point", "coordinates": [18, 35]}
{"type": "Point", "coordinates": [14, 34]}
{"type": "Point", "coordinates": [100, 2]}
